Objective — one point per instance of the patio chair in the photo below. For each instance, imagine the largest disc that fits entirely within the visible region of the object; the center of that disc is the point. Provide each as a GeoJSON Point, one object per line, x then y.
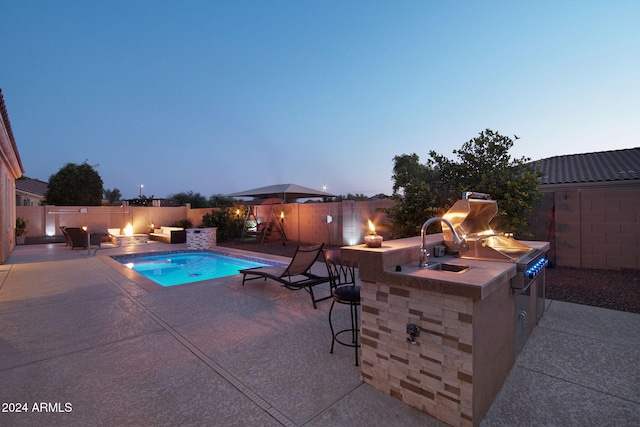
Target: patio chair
{"type": "Point", "coordinates": [296, 275]}
{"type": "Point", "coordinates": [66, 235]}
{"type": "Point", "coordinates": [79, 238]}
{"type": "Point", "coordinates": [341, 272]}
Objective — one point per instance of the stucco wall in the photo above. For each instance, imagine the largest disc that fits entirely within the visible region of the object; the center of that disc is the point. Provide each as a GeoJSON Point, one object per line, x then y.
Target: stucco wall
{"type": "Point", "coordinates": [10, 170]}
{"type": "Point", "coordinates": [7, 211]}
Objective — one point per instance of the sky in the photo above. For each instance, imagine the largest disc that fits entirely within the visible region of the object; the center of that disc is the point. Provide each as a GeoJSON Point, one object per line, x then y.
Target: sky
{"type": "Point", "coordinates": [217, 97]}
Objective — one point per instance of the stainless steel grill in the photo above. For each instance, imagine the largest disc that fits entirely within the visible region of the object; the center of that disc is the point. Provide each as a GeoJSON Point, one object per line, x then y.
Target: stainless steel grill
{"type": "Point", "coordinates": [470, 218]}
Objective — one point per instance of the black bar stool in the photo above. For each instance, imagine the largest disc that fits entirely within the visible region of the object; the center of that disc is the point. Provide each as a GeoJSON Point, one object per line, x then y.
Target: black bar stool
{"type": "Point", "coordinates": [343, 291]}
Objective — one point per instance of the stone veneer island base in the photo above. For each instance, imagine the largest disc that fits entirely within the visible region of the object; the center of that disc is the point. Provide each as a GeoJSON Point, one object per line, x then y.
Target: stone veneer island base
{"type": "Point", "coordinates": [466, 344]}
{"type": "Point", "coordinates": [202, 238]}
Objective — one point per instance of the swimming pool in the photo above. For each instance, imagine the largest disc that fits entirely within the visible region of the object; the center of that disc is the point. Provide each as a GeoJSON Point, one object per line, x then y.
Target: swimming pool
{"type": "Point", "coordinates": [182, 267]}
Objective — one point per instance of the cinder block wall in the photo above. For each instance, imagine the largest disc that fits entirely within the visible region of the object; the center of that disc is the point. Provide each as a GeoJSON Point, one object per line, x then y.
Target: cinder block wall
{"type": "Point", "coordinates": [339, 224]}
{"type": "Point", "coordinates": [542, 223]}
{"type": "Point", "coordinates": [567, 228]}
{"type": "Point", "coordinates": [588, 226]}
{"type": "Point", "coordinates": [349, 221]}
{"type": "Point", "coordinates": [46, 220]}
{"type": "Point", "coordinates": [34, 215]}
{"type": "Point", "coordinates": [610, 228]}
{"type": "Point", "coordinates": [591, 225]}
{"type": "Point", "coordinates": [195, 215]}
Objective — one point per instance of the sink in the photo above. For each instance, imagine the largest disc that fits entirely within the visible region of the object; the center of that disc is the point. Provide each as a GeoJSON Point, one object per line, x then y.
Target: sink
{"type": "Point", "coordinates": [453, 268]}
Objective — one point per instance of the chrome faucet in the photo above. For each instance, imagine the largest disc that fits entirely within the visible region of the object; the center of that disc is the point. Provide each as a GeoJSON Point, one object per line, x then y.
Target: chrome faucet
{"type": "Point", "coordinates": [460, 243]}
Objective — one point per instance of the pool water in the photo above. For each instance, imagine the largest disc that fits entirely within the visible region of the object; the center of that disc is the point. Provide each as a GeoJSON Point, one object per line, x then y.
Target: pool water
{"type": "Point", "coordinates": [178, 268]}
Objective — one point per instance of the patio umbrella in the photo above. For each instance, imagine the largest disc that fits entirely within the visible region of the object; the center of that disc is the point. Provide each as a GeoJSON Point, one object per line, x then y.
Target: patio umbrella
{"type": "Point", "coordinates": [288, 192]}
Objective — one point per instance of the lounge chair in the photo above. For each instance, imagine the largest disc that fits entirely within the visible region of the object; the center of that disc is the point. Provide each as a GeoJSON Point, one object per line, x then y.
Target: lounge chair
{"type": "Point", "coordinates": [296, 275]}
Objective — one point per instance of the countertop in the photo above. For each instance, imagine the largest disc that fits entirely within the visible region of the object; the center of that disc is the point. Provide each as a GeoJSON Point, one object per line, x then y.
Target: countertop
{"type": "Point", "coordinates": [481, 279]}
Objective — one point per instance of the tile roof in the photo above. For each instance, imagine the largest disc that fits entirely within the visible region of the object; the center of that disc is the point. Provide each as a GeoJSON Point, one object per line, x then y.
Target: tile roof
{"type": "Point", "coordinates": [617, 165]}
{"type": "Point", "coordinates": [33, 186]}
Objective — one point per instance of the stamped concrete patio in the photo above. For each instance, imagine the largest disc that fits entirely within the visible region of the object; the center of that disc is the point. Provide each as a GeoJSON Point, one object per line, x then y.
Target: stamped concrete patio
{"type": "Point", "coordinates": [101, 347]}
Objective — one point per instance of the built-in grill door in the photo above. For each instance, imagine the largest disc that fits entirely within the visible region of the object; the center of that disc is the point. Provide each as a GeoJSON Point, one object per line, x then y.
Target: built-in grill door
{"type": "Point", "coordinates": [530, 305]}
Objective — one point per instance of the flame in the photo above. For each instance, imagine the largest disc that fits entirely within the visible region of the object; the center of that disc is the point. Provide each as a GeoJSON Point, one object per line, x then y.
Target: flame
{"type": "Point", "coordinates": [128, 230]}
{"type": "Point", "coordinates": [372, 227]}
{"type": "Point", "coordinates": [281, 214]}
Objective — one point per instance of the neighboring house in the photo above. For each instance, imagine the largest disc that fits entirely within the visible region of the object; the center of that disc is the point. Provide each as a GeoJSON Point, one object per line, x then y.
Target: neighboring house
{"type": "Point", "coordinates": [156, 203]}
{"type": "Point", "coordinates": [591, 209]}
{"type": "Point", "coordinates": [30, 192]}
{"type": "Point", "coordinates": [10, 169]}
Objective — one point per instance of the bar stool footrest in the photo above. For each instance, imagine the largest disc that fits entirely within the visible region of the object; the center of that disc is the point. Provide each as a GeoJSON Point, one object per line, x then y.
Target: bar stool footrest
{"type": "Point", "coordinates": [351, 331]}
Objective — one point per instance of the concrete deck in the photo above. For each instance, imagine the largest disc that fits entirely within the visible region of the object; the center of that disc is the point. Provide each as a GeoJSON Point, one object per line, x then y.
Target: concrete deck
{"type": "Point", "coordinates": [98, 349]}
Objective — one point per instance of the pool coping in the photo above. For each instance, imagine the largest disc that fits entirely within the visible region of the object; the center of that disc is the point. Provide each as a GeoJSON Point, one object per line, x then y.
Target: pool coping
{"type": "Point", "coordinates": [151, 286]}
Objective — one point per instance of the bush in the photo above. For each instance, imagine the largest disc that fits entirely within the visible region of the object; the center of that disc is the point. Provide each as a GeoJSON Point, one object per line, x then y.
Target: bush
{"type": "Point", "coordinates": [184, 223]}
{"type": "Point", "coordinates": [229, 225]}
{"type": "Point", "coordinates": [21, 226]}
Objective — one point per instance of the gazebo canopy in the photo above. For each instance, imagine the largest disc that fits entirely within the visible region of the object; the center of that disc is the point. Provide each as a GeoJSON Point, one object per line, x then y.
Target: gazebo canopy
{"type": "Point", "coordinates": [288, 192]}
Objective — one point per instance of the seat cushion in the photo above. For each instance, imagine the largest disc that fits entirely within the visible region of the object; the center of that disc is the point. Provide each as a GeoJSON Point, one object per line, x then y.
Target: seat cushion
{"type": "Point", "coordinates": [347, 294]}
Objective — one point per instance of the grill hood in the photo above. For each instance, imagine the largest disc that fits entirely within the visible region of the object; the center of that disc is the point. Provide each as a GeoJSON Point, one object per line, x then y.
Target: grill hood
{"type": "Point", "coordinates": [470, 217]}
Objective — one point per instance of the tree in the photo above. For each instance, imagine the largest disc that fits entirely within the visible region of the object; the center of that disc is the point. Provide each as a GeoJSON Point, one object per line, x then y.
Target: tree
{"type": "Point", "coordinates": [75, 185]}
{"type": "Point", "coordinates": [197, 200]}
{"type": "Point", "coordinates": [112, 195]}
{"type": "Point", "coordinates": [484, 165]}
{"type": "Point", "coordinates": [358, 197]}
{"type": "Point", "coordinates": [221, 201]}
{"type": "Point", "coordinates": [411, 209]}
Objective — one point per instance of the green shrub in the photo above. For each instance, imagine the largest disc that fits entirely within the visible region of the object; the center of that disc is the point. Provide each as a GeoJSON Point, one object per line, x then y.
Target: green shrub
{"type": "Point", "coordinates": [184, 223]}
{"type": "Point", "coordinates": [229, 225]}
{"type": "Point", "coordinates": [21, 226]}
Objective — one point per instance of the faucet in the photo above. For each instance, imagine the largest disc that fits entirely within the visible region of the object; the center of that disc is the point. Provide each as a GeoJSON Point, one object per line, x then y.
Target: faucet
{"type": "Point", "coordinates": [460, 243]}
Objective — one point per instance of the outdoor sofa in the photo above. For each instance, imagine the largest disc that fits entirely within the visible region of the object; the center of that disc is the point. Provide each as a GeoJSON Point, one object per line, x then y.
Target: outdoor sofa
{"type": "Point", "coordinates": [169, 235]}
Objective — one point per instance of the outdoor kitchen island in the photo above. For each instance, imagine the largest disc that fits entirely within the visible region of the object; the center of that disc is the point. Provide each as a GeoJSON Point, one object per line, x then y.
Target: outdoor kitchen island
{"type": "Point", "coordinates": [440, 341]}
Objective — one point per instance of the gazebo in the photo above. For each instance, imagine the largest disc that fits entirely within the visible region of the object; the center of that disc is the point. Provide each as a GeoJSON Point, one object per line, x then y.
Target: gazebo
{"type": "Point", "coordinates": [288, 192]}
{"type": "Point", "coordinates": [273, 195]}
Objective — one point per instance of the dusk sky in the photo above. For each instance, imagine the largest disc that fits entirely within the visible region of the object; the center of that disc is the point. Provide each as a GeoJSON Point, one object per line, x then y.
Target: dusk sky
{"type": "Point", "coordinates": [223, 96]}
